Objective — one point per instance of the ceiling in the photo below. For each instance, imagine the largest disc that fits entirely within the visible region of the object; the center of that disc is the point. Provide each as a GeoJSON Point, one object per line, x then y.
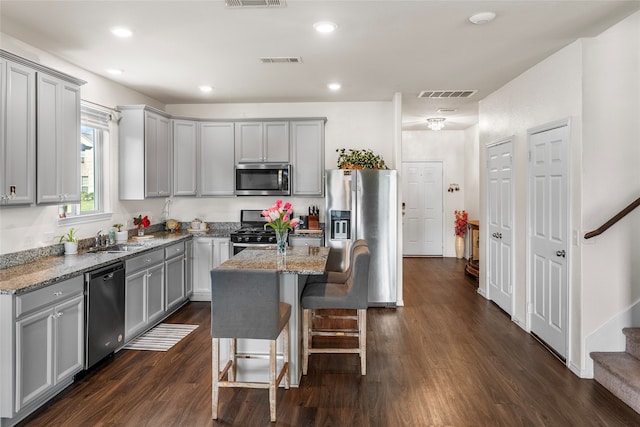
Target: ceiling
{"type": "Point", "coordinates": [379, 48]}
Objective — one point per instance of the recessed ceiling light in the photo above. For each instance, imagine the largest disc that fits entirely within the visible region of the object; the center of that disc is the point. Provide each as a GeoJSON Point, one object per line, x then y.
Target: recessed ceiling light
{"type": "Point", "coordinates": [115, 71]}
{"type": "Point", "coordinates": [334, 86]}
{"type": "Point", "coordinates": [325, 27]}
{"type": "Point", "coordinates": [482, 18]}
{"type": "Point", "coordinates": [205, 88]}
{"type": "Point", "coordinates": [121, 32]}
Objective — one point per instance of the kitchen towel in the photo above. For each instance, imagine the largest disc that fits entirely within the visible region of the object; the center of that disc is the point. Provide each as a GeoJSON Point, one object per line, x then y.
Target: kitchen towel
{"type": "Point", "coordinates": [161, 338]}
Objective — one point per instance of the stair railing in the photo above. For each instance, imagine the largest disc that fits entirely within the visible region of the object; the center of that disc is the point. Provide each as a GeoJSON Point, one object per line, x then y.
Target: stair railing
{"type": "Point", "coordinates": [604, 227]}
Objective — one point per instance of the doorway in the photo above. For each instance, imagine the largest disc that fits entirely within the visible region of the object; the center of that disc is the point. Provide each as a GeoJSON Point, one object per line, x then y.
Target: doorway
{"type": "Point", "coordinates": [549, 234]}
{"type": "Point", "coordinates": [423, 227]}
{"type": "Point", "coordinates": [500, 223]}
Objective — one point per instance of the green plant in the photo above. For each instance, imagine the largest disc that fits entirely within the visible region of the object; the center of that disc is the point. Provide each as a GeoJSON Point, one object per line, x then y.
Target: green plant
{"type": "Point", "coordinates": [69, 237]}
{"type": "Point", "coordinates": [118, 226]}
{"type": "Point", "coordinates": [359, 159]}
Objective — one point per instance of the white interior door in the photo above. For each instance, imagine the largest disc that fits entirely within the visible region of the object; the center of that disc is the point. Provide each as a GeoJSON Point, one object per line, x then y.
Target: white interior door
{"type": "Point", "coordinates": [548, 235]}
{"type": "Point", "coordinates": [500, 224]}
{"type": "Point", "coordinates": [423, 229]}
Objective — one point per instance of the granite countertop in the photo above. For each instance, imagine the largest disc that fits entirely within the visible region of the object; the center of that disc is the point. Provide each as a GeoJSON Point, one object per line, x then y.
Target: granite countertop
{"type": "Point", "coordinates": [46, 271]}
{"type": "Point", "coordinates": [298, 260]}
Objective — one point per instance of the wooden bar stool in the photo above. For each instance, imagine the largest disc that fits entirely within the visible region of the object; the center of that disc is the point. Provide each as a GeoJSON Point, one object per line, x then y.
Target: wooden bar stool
{"type": "Point", "coordinates": [246, 304]}
{"type": "Point", "coordinates": [352, 294]}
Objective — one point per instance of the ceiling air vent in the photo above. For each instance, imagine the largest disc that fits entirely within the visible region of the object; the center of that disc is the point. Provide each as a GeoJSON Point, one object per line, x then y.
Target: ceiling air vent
{"type": "Point", "coordinates": [446, 93]}
{"type": "Point", "coordinates": [281, 60]}
{"type": "Point", "coordinates": [255, 3]}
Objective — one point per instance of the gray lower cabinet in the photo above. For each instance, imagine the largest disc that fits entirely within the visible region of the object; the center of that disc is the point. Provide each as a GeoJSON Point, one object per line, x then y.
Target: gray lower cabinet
{"type": "Point", "coordinates": [58, 145]}
{"type": "Point", "coordinates": [208, 253]}
{"type": "Point", "coordinates": [307, 151]}
{"type": "Point", "coordinates": [216, 165]}
{"type": "Point", "coordinates": [174, 268]}
{"type": "Point", "coordinates": [47, 327]}
{"type": "Point", "coordinates": [188, 268]}
{"type": "Point", "coordinates": [306, 240]}
{"type": "Point", "coordinates": [17, 133]}
{"type": "Point", "coordinates": [144, 292]}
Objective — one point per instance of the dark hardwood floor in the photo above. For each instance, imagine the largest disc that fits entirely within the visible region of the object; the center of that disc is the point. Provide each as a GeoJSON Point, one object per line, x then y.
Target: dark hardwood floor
{"type": "Point", "coordinates": [448, 358]}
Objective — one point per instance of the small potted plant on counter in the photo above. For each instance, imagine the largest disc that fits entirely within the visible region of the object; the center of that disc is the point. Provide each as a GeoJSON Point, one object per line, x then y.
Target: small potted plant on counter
{"type": "Point", "coordinates": [70, 243]}
{"type": "Point", "coordinates": [121, 236]}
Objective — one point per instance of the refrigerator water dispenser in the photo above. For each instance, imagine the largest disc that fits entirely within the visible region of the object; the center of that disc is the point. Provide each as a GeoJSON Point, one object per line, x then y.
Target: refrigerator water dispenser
{"type": "Point", "coordinates": [340, 225]}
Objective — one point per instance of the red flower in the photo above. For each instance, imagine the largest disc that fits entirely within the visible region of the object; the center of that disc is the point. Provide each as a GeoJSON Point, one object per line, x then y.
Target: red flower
{"type": "Point", "coordinates": [139, 221]}
{"type": "Point", "coordinates": [461, 223]}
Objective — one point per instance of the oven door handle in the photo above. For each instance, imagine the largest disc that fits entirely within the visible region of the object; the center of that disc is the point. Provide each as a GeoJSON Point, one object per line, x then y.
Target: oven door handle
{"type": "Point", "coordinates": [254, 245]}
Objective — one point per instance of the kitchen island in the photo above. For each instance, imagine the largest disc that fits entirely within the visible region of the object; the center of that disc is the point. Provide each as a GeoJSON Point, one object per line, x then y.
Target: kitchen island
{"type": "Point", "coordinates": [295, 266]}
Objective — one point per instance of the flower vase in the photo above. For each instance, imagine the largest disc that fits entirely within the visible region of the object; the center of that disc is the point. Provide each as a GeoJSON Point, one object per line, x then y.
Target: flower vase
{"type": "Point", "coordinates": [140, 231]}
{"type": "Point", "coordinates": [281, 241]}
{"type": "Point", "coordinates": [459, 247]}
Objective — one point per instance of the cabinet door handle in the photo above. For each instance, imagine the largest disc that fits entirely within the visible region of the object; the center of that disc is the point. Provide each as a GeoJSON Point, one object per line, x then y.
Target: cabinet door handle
{"type": "Point", "coordinates": [57, 315]}
{"type": "Point", "coordinates": [561, 253]}
{"type": "Point", "coordinates": [57, 293]}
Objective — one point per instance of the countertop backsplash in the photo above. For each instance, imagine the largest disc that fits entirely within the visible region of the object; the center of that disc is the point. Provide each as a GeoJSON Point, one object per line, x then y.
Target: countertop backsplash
{"type": "Point", "coordinates": [31, 255]}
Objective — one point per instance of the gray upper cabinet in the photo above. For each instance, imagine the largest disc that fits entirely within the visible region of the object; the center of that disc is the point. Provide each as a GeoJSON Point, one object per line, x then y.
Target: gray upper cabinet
{"type": "Point", "coordinates": [185, 157]}
{"type": "Point", "coordinates": [216, 166]}
{"type": "Point", "coordinates": [39, 125]}
{"type": "Point", "coordinates": [307, 147]}
{"type": "Point", "coordinates": [260, 142]}
{"type": "Point", "coordinates": [58, 145]}
{"type": "Point", "coordinates": [17, 133]}
{"type": "Point", "coordinates": [145, 153]}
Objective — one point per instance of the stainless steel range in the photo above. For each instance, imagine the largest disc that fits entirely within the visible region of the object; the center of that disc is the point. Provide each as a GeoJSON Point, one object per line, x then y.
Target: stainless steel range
{"type": "Point", "coordinates": [252, 233]}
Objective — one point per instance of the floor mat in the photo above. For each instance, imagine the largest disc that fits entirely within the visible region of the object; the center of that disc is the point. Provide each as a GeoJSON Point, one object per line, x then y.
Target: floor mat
{"type": "Point", "coordinates": [161, 338]}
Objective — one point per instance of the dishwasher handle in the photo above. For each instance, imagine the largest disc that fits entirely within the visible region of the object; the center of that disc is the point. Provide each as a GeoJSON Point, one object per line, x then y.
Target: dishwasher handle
{"type": "Point", "coordinates": [106, 272]}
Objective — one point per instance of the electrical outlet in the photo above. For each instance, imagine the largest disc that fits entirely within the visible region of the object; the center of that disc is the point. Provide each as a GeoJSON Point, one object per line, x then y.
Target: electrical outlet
{"type": "Point", "coordinates": [48, 236]}
{"type": "Point", "coordinates": [28, 241]}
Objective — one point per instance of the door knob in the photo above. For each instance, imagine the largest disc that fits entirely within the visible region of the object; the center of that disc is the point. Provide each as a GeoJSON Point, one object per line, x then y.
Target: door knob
{"type": "Point", "coordinates": [561, 253]}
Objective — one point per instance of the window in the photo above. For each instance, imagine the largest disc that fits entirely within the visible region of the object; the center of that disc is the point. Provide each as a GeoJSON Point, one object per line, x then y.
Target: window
{"type": "Point", "coordinates": [94, 133]}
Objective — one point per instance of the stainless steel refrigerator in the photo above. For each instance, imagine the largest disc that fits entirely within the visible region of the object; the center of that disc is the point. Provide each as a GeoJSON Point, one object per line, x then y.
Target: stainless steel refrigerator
{"type": "Point", "coordinates": [362, 204]}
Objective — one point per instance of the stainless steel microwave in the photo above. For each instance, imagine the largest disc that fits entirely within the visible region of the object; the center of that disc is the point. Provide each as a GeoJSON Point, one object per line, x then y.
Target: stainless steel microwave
{"type": "Point", "coordinates": [263, 179]}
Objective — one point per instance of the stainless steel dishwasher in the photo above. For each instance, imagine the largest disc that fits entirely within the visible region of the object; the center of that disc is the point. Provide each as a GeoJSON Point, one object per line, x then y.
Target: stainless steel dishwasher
{"type": "Point", "coordinates": [104, 332]}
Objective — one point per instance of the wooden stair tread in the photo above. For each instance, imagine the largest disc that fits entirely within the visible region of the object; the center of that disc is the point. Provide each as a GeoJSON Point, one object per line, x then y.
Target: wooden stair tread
{"type": "Point", "coordinates": [620, 364]}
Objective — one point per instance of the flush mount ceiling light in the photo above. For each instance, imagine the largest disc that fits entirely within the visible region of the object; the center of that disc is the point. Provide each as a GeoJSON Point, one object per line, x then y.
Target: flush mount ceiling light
{"type": "Point", "coordinates": [121, 32]}
{"type": "Point", "coordinates": [334, 86]}
{"type": "Point", "coordinates": [482, 18]}
{"type": "Point", "coordinates": [435, 123]}
{"type": "Point", "coordinates": [115, 71]}
{"type": "Point", "coordinates": [205, 88]}
{"type": "Point", "coordinates": [325, 27]}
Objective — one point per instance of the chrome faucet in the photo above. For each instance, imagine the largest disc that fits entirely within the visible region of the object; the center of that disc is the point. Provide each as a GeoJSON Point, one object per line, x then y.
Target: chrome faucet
{"type": "Point", "coordinates": [98, 239]}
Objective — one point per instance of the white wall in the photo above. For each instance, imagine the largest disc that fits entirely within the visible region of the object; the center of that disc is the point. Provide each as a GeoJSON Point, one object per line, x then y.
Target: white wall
{"type": "Point", "coordinates": [349, 125]}
{"type": "Point", "coordinates": [24, 228]}
{"type": "Point", "coordinates": [447, 146]}
{"type": "Point", "coordinates": [596, 83]}
{"type": "Point", "coordinates": [611, 160]}
{"type": "Point", "coordinates": [472, 172]}
{"type": "Point", "coordinates": [549, 91]}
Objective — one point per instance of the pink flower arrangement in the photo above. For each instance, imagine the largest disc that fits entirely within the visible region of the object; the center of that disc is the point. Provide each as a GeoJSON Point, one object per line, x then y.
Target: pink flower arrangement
{"type": "Point", "coordinates": [279, 216]}
{"type": "Point", "coordinates": [461, 223]}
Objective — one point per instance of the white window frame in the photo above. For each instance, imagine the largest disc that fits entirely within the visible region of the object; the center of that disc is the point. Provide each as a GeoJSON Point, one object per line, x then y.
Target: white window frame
{"type": "Point", "coordinates": [100, 119]}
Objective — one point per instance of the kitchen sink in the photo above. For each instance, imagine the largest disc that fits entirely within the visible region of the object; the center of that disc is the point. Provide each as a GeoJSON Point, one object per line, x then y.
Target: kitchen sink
{"type": "Point", "coordinates": [117, 248]}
